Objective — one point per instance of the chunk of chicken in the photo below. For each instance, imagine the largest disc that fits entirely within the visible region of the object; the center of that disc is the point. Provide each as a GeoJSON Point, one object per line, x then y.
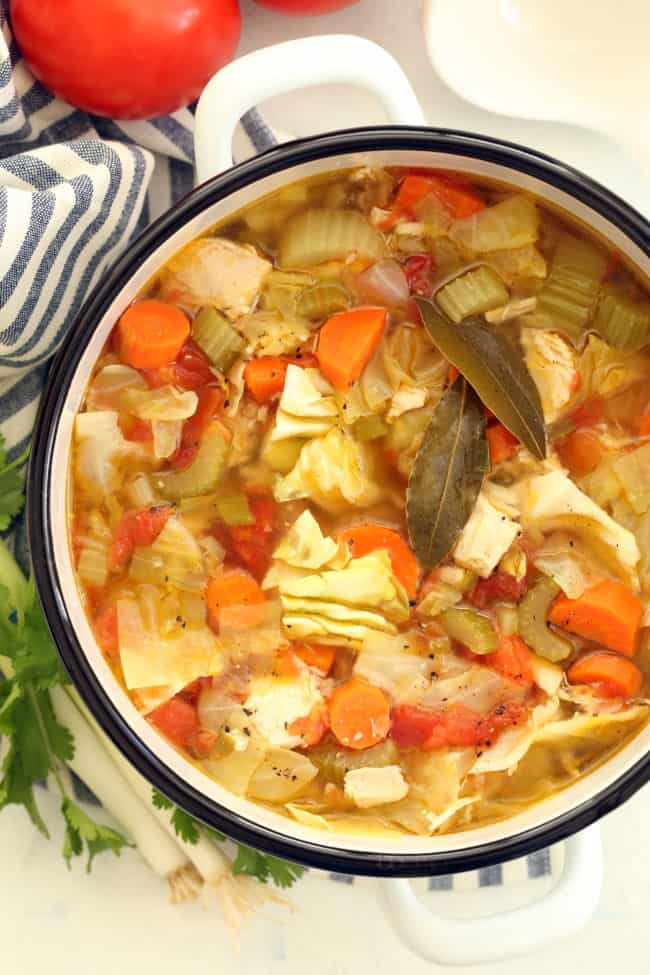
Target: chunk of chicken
{"type": "Point", "coordinates": [552, 363]}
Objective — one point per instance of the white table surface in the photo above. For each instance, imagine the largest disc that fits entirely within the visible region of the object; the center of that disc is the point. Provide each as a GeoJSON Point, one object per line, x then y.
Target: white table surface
{"type": "Point", "coordinates": [64, 922]}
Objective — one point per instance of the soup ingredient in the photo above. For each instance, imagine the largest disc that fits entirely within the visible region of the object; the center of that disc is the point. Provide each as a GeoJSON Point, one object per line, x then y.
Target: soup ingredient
{"type": "Point", "coordinates": [335, 471]}
{"type": "Point", "coordinates": [216, 272]}
{"type": "Point", "coordinates": [608, 613]}
{"type": "Point", "coordinates": [151, 333]}
{"type": "Point", "coordinates": [581, 451]}
{"type": "Point", "coordinates": [217, 338]}
{"type": "Point", "coordinates": [452, 727]}
{"type": "Point", "coordinates": [86, 56]}
{"type": "Point", "coordinates": [204, 473]}
{"type": "Point", "coordinates": [506, 225]}
{"type": "Point", "coordinates": [623, 322]}
{"type": "Point", "coordinates": [384, 282]}
{"type": "Point", "coordinates": [503, 444]}
{"type": "Point", "coordinates": [534, 612]}
{"type": "Point", "coordinates": [177, 720]}
{"type": "Point", "coordinates": [304, 545]}
{"type": "Point", "coordinates": [346, 343]}
{"type": "Point", "coordinates": [315, 236]}
{"type": "Point", "coordinates": [610, 674]}
{"type": "Point", "coordinates": [604, 372]}
{"type": "Point", "coordinates": [234, 510]}
{"type": "Point", "coordinates": [512, 659]}
{"type": "Point", "coordinates": [233, 598]}
{"type": "Point", "coordinates": [485, 538]}
{"type": "Point", "coordinates": [632, 470]}
{"type": "Point", "coordinates": [100, 445]}
{"type": "Point", "coordinates": [471, 629]}
{"type": "Point", "coordinates": [552, 363]}
{"type": "Point", "coordinates": [136, 528]}
{"type": "Point", "coordinates": [307, 407]}
{"type": "Point", "coordinates": [359, 714]}
{"type": "Point", "coordinates": [265, 377]}
{"type": "Point", "coordinates": [318, 656]}
{"type": "Point", "coordinates": [366, 538]}
{"type": "Point", "coordinates": [447, 474]}
{"type": "Point", "coordinates": [569, 292]}
{"type": "Point", "coordinates": [553, 502]}
{"type": "Point", "coordinates": [368, 787]}
{"type": "Point", "coordinates": [472, 293]}
{"type": "Point", "coordinates": [493, 367]}
{"type": "Point", "coordinates": [276, 703]}
{"type": "Point", "coordinates": [282, 775]}
{"type": "Point", "coordinates": [322, 299]}
{"type": "Point", "coordinates": [461, 201]}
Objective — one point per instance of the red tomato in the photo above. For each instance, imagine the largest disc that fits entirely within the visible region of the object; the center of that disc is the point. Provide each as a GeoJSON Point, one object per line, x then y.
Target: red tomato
{"type": "Point", "coordinates": [455, 727]}
{"type": "Point", "coordinates": [192, 367]}
{"type": "Point", "coordinates": [305, 8]}
{"type": "Point", "coordinates": [211, 400]}
{"type": "Point", "coordinates": [419, 270]}
{"type": "Point", "coordinates": [136, 528]}
{"type": "Point", "coordinates": [177, 719]}
{"type": "Point", "coordinates": [497, 587]}
{"type": "Point", "coordinates": [123, 58]}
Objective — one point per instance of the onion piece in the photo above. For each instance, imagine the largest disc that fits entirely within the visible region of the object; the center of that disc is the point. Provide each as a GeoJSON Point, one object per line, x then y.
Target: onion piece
{"type": "Point", "coordinates": [383, 283]}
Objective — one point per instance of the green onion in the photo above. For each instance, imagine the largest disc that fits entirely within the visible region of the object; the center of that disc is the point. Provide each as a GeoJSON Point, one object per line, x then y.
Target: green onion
{"type": "Point", "coordinates": [571, 288]}
{"type": "Point", "coordinates": [471, 629]}
{"type": "Point", "coordinates": [234, 510]}
{"type": "Point", "coordinates": [217, 338]}
{"type": "Point", "coordinates": [370, 428]}
{"type": "Point", "coordinates": [472, 293]}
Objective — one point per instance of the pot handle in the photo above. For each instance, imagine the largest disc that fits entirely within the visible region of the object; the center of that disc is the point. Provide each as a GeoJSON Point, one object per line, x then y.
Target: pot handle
{"type": "Point", "coordinates": [331, 58]}
{"type": "Point", "coordinates": [562, 912]}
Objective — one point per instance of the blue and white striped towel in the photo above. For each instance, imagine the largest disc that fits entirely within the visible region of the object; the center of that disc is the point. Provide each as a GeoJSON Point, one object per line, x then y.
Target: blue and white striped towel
{"type": "Point", "coordinates": [74, 190]}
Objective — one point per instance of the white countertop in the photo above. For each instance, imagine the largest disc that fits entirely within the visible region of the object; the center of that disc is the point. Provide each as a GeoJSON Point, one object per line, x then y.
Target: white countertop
{"type": "Point", "coordinates": [59, 922]}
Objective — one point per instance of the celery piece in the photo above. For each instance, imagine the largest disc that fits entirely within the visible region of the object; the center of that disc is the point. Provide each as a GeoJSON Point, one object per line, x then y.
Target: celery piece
{"type": "Point", "coordinates": [533, 629]}
{"type": "Point", "coordinates": [623, 322]}
{"type": "Point", "coordinates": [370, 428]}
{"type": "Point", "coordinates": [323, 299]}
{"type": "Point", "coordinates": [570, 291]}
{"type": "Point", "coordinates": [217, 338]}
{"type": "Point", "coordinates": [470, 628]}
{"type": "Point", "coordinates": [316, 236]}
{"type": "Point", "coordinates": [282, 455]}
{"type": "Point", "coordinates": [204, 473]}
{"type": "Point", "coordinates": [234, 510]}
{"type": "Point", "coordinates": [472, 293]}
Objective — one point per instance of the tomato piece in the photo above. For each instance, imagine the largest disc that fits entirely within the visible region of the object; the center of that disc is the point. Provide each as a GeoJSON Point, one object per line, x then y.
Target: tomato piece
{"type": "Point", "coordinates": [454, 727]}
{"type": "Point", "coordinates": [211, 400]}
{"type": "Point", "coordinates": [137, 527]}
{"type": "Point", "coordinates": [312, 727]}
{"type": "Point", "coordinates": [106, 632]}
{"type": "Point", "coordinates": [511, 659]}
{"type": "Point", "coordinates": [499, 587]}
{"type": "Point", "coordinates": [177, 719]}
{"type": "Point", "coordinates": [202, 742]}
{"type": "Point", "coordinates": [419, 269]}
{"type": "Point", "coordinates": [589, 413]}
{"type": "Point", "coordinates": [251, 545]}
{"type": "Point", "coordinates": [192, 367]}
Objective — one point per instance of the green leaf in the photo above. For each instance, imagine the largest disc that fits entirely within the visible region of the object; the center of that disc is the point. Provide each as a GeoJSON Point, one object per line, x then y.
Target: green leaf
{"type": "Point", "coordinates": [282, 872]}
{"type": "Point", "coordinates": [495, 369]}
{"type": "Point", "coordinates": [185, 826]}
{"type": "Point", "coordinates": [447, 475]}
{"type": "Point", "coordinates": [160, 801]}
{"type": "Point", "coordinates": [82, 831]}
{"type": "Point", "coordinates": [12, 491]}
{"type": "Point", "coordinates": [16, 787]}
{"type": "Point", "coordinates": [264, 867]}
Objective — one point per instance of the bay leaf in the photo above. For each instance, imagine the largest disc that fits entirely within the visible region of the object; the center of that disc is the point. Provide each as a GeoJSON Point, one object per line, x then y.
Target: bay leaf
{"type": "Point", "coordinates": [447, 475]}
{"type": "Point", "coordinates": [495, 369]}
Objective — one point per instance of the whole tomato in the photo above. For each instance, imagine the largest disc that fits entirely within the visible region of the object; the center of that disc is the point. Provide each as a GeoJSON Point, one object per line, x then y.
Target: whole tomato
{"type": "Point", "coordinates": [305, 8]}
{"type": "Point", "coordinates": [126, 59]}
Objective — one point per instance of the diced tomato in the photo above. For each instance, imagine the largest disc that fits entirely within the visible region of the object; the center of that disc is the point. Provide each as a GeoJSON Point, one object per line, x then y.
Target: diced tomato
{"type": "Point", "coordinates": [202, 742]}
{"type": "Point", "coordinates": [511, 659]}
{"type": "Point", "coordinates": [192, 690]}
{"type": "Point", "coordinates": [161, 376]}
{"type": "Point", "coordinates": [498, 587]}
{"type": "Point", "coordinates": [135, 429]}
{"type": "Point", "coordinates": [106, 631]}
{"type": "Point", "coordinates": [137, 527]}
{"type": "Point", "coordinates": [251, 545]}
{"type": "Point", "coordinates": [177, 719]}
{"type": "Point", "coordinates": [459, 199]}
{"type": "Point", "coordinates": [453, 727]}
{"type": "Point", "coordinates": [419, 269]}
{"type": "Point", "coordinates": [313, 727]}
{"type": "Point", "coordinates": [285, 664]}
{"type": "Point", "coordinates": [588, 414]}
{"type": "Point", "coordinates": [452, 375]}
{"type": "Point", "coordinates": [192, 367]}
{"type": "Point", "coordinates": [502, 443]}
{"type": "Point", "coordinates": [211, 400]}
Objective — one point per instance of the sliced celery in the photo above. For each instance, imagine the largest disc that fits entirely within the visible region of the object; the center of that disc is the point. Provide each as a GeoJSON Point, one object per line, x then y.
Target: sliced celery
{"type": "Point", "coordinates": [472, 293]}
{"type": "Point", "coordinates": [217, 338]}
{"type": "Point", "coordinates": [282, 290]}
{"type": "Point", "coordinates": [471, 629]}
{"type": "Point", "coordinates": [570, 291]}
{"type": "Point", "coordinates": [316, 236]}
{"type": "Point", "coordinates": [323, 299]}
{"type": "Point", "coordinates": [282, 455]}
{"type": "Point", "coordinates": [204, 473]}
{"type": "Point", "coordinates": [533, 628]}
{"type": "Point", "coordinates": [370, 428]}
{"type": "Point", "coordinates": [234, 509]}
{"type": "Point", "coordinates": [623, 322]}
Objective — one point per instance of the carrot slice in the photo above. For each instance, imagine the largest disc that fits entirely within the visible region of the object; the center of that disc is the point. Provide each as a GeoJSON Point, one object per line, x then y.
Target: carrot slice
{"type": "Point", "coordinates": [265, 377]}
{"type": "Point", "coordinates": [151, 333]}
{"type": "Point", "coordinates": [610, 674]}
{"type": "Point", "coordinates": [347, 342]}
{"type": "Point", "coordinates": [502, 443]}
{"type": "Point", "coordinates": [316, 655]}
{"type": "Point", "coordinates": [460, 200]}
{"type": "Point", "coordinates": [581, 451]}
{"type": "Point", "coordinates": [235, 600]}
{"type": "Point", "coordinates": [359, 714]}
{"type": "Point", "coordinates": [362, 539]}
{"type": "Point", "coordinates": [608, 613]}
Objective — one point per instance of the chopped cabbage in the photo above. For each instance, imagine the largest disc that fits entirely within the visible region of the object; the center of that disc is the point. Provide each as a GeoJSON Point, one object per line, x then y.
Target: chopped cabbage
{"type": "Point", "coordinates": [151, 659]}
{"type": "Point", "coordinates": [516, 262]}
{"type": "Point", "coordinates": [110, 383]}
{"type": "Point", "coordinates": [513, 743]}
{"type": "Point", "coordinates": [586, 725]}
{"type": "Point", "coordinates": [100, 446]}
{"type": "Point", "coordinates": [92, 567]}
{"type": "Point", "coordinates": [633, 471]}
{"type": "Point", "coordinates": [267, 333]}
{"type": "Point", "coordinates": [166, 437]}
{"type": "Point", "coordinates": [283, 774]}
{"type": "Point", "coordinates": [548, 676]}
{"type": "Point", "coordinates": [405, 399]}
{"type": "Point", "coordinates": [507, 225]}
{"type": "Point", "coordinates": [486, 537]}
{"type": "Point", "coordinates": [215, 271]}
{"type": "Point", "coordinates": [404, 676]}
{"type": "Point", "coordinates": [479, 688]}
{"type": "Point", "coordinates": [276, 702]}
{"type": "Point", "coordinates": [164, 403]}
{"type": "Point", "coordinates": [307, 407]}
{"type": "Point", "coordinates": [605, 371]}
{"type": "Point", "coordinates": [553, 501]}
{"type": "Point", "coordinates": [335, 471]}
{"type": "Point", "coordinates": [563, 560]}
{"type": "Point", "coordinates": [552, 362]}
{"type": "Point", "coordinates": [352, 602]}
{"type": "Point", "coordinates": [305, 546]}
{"type": "Point", "coordinates": [174, 557]}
